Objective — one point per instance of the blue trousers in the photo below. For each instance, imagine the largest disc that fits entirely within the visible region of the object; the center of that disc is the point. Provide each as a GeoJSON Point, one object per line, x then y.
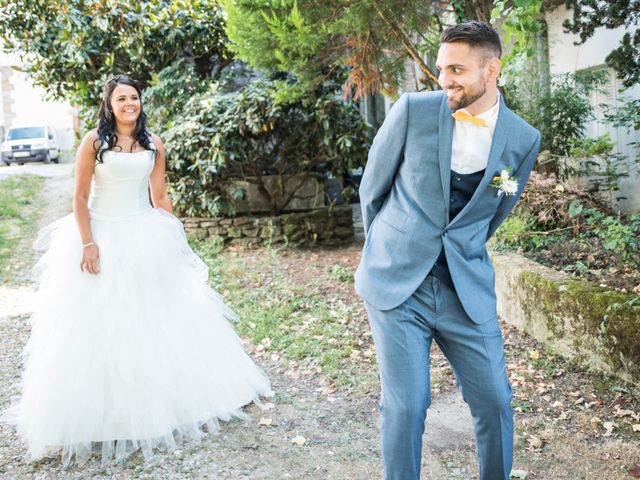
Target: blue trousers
{"type": "Point", "coordinates": [403, 338]}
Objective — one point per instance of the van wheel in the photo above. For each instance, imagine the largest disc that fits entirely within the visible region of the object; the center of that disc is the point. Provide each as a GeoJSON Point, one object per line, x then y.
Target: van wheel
{"type": "Point", "coordinates": [47, 158]}
{"type": "Point", "coordinates": [56, 160]}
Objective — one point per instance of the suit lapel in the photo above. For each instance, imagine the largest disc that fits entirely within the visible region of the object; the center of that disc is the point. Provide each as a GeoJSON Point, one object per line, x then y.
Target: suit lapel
{"type": "Point", "coordinates": [445, 138]}
{"type": "Point", "coordinates": [500, 135]}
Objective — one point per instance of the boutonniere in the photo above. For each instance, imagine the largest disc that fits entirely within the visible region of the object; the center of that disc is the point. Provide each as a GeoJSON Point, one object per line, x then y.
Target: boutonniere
{"type": "Point", "coordinates": [505, 183]}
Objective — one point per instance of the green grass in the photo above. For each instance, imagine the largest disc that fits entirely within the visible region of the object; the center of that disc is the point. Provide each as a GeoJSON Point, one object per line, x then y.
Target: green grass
{"type": "Point", "coordinates": [340, 274]}
{"type": "Point", "coordinates": [298, 322]}
{"type": "Point", "coordinates": [19, 210]}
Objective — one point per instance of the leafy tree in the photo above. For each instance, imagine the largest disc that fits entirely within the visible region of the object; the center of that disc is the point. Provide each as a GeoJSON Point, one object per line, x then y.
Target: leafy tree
{"type": "Point", "coordinates": [313, 38]}
{"type": "Point", "coordinates": [71, 46]}
{"type": "Point", "coordinates": [369, 39]}
{"type": "Point", "coordinates": [521, 25]}
{"type": "Point", "coordinates": [588, 15]}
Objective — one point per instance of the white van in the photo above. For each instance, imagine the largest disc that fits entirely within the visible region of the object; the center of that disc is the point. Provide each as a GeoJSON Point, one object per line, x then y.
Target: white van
{"type": "Point", "coordinates": [36, 143]}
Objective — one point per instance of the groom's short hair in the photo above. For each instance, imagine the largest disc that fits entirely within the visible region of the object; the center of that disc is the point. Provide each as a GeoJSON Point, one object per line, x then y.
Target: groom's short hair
{"type": "Point", "coordinates": [475, 34]}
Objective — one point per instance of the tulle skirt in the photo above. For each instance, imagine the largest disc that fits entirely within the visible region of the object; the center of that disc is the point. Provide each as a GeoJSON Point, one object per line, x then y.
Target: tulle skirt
{"type": "Point", "coordinates": [135, 357]}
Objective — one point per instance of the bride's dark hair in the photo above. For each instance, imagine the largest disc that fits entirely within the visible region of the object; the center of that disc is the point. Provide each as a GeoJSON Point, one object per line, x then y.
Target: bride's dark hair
{"type": "Point", "coordinates": [107, 121]}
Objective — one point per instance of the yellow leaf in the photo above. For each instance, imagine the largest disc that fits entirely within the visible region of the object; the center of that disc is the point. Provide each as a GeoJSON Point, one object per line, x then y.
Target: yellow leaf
{"type": "Point", "coordinates": [534, 355]}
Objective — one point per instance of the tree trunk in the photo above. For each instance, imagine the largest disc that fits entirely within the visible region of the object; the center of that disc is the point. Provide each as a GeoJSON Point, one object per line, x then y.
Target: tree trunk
{"type": "Point", "coordinates": [479, 10]}
{"type": "Point", "coordinates": [407, 44]}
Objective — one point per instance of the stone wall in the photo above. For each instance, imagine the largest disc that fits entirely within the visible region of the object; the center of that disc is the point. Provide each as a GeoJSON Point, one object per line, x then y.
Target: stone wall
{"type": "Point", "coordinates": [596, 327]}
{"type": "Point", "coordinates": [324, 226]}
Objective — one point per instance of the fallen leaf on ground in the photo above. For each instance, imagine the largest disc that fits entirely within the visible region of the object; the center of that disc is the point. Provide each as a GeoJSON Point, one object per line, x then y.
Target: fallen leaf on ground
{"type": "Point", "coordinates": [330, 389]}
{"type": "Point", "coordinates": [625, 413]}
{"type": "Point", "coordinates": [609, 426]}
{"type": "Point", "coordinates": [535, 442]}
{"type": "Point", "coordinates": [534, 354]}
{"type": "Point", "coordinates": [298, 440]}
{"type": "Point", "coordinates": [636, 427]}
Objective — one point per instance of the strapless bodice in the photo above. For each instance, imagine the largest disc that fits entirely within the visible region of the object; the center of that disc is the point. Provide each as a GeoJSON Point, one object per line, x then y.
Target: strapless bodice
{"type": "Point", "coordinates": [120, 186]}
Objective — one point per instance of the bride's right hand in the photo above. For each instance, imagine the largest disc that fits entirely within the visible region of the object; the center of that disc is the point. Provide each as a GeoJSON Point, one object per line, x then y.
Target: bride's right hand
{"type": "Point", "coordinates": [90, 259]}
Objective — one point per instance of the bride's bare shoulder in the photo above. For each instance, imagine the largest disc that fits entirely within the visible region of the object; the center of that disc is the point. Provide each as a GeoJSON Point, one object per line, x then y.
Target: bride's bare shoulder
{"type": "Point", "coordinates": [90, 140]}
{"type": "Point", "coordinates": [89, 145]}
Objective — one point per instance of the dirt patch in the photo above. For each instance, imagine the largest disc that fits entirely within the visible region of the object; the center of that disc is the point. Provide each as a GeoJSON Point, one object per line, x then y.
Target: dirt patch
{"type": "Point", "coordinates": [563, 226]}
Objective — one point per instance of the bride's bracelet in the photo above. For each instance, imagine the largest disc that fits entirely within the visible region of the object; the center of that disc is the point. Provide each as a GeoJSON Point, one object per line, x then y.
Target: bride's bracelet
{"type": "Point", "coordinates": [88, 244]}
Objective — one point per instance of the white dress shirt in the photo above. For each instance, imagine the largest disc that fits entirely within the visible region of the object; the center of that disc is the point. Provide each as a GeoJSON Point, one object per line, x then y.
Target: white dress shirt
{"type": "Point", "coordinates": [472, 143]}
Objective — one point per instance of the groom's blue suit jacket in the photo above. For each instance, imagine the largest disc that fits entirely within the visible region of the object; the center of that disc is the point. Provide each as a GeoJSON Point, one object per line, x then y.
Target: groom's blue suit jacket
{"type": "Point", "coordinates": [404, 196]}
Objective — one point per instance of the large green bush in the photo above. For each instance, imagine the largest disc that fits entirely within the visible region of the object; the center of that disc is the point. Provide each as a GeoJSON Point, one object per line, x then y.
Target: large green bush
{"type": "Point", "coordinates": [169, 91]}
{"type": "Point", "coordinates": [246, 134]}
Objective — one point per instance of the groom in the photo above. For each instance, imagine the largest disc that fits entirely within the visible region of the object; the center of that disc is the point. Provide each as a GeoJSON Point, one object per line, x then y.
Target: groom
{"type": "Point", "coordinates": [444, 171]}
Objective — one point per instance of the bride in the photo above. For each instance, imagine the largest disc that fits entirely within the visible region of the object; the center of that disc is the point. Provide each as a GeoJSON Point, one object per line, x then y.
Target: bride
{"type": "Point", "coordinates": [129, 349]}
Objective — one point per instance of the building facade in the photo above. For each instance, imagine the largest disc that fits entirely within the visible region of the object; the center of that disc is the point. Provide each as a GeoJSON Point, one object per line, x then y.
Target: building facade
{"type": "Point", "coordinates": [567, 57]}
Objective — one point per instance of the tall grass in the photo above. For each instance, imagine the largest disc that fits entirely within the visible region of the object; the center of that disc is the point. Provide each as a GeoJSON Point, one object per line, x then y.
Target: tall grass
{"type": "Point", "coordinates": [19, 209]}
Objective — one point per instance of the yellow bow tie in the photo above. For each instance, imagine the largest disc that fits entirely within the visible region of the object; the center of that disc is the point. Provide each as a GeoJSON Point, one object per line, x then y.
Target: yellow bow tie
{"type": "Point", "coordinates": [466, 117]}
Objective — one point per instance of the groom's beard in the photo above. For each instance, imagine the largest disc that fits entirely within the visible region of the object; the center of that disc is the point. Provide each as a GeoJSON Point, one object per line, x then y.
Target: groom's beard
{"type": "Point", "coordinates": [468, 97]}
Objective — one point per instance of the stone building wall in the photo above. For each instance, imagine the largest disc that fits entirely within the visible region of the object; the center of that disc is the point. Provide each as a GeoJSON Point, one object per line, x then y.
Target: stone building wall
{"type": "Point", "coordinates": [324, 226]}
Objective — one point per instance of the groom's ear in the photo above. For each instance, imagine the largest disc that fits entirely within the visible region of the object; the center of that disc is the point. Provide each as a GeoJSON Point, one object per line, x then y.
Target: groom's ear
{"type": "Point", "coordinates": [493, 68]}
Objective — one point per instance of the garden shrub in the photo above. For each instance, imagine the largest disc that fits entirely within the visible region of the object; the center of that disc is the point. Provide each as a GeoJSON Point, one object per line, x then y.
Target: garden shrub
{"type": "Point", "coordinates": [248, 134]}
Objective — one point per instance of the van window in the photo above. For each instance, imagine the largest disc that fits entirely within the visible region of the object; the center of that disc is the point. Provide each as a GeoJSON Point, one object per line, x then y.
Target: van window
{"type": "Point", "coordinates": [24, 133]}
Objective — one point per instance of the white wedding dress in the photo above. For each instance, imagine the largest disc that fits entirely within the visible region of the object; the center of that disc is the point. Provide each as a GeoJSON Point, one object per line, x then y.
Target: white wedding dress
{"type": "Point", "coordinates": [137, 356]}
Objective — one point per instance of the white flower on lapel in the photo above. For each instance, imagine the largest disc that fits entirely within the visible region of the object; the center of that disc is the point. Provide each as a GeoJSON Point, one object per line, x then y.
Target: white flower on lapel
{"type": "Point", "coordinates": [505, 183]}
